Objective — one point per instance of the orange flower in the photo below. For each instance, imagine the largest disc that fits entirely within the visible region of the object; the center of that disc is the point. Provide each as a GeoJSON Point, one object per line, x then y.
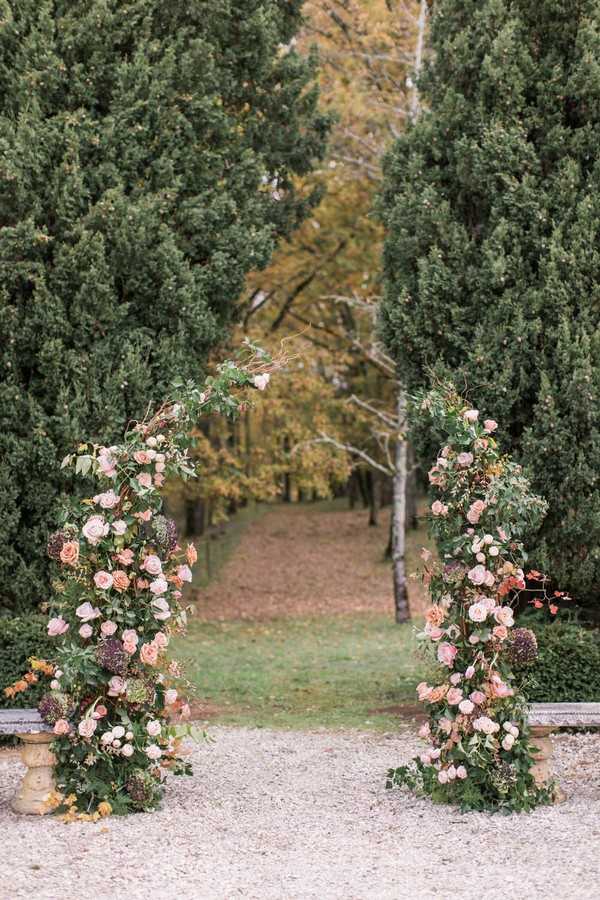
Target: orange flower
{"type": "Point", "coordinates": [69, 553]}
{"type": "Point", "coordinates": [435, 615]}
{"type": "Point", "coordinates": [191, 554]}
{"type": "Point", "coordinates": [30, 678]}
{"type": "Point", "coordinates": [120, 580]}
{"type": "Point", "coordinates": [438, 693]}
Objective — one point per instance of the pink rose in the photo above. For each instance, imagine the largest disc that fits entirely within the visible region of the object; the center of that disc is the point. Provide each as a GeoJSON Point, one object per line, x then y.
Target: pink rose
{"type": "Point", "coordinates": [119, 527]}
{"type": "Point", "coordinates": [103, 580]}
{"type": "Point", "coordinates": [489, 425]}
{"type": "Point", "coordinates": [160, 639]}
{"type": "Point", "coordinates": [116, 686]}
{"type": "Point", "coordinates": [107, 500]}
{"type": "Point", "coordinates": [445, 725]}
{"type": "Point", "coordinates": [149, 654]}
{"type": "Point", "coordinates": [57, 626]}
{"type": "Point", "coordinates": [477, 575]}
{"type": "Point", "coordinates": [95, 529]}
{"type": "Point", "coordinates": [100, 711]}
{"type": "Point", "coordinates": [61, 726]}
{"type": "Point", "coordinates": [107, 462]}
{"type": "Point", "coordinates": [466, 707]}
{"type": "Point", "coordinates": [504, 616]}
{"type": "Point", "coordinates": [120, 580]}
{"type": "Point", "coordinates": [108, 628]}
{"type": "Point", "coordinates": [499, 688]}
{"type": "Point", "coordinates": [153, 752]}
{"type": "Point", "coordinates": [152, 565]}
{"type": "Point", "coordinates": [125, 557]}
{"type": "Point", "coordinates": [159, 480]}
{"type": "Point", "coordinates": [443, 776]}
{"type": "Point", "coordinates": [464, 460]}
{"type": "Point", "coordinates": [159, 586]}
{"type": "Point", "coordinates": [154, 727]}
{"type": "Point", "coordinates": [502, 534]}
{"type": "Point", "coordinates": [423, 691]}
{"type": "Point", "coordinates": [86, 631]}
{"type": "Point", "coordinates": [433, 631]}
{"type": "Point", "coordinates": [171, 697]}
{"type": "Point", "coordinates": [478, 697]}
{"type": "Point", "coordinates": [500, 632]}
{"type": "Point", "coordinates": [486, 725]}
{"type": "Point", "coordinates": [478, 612]}
{"type": "Point", "coordinates": [129, 647]}
{"type": "Point", "coordinates": [454, 696]}
{"type": "Point", "coordinates": [69, 554]}
{"type": "Point", "coordinates": [160, 467]}
{"type": "Point", "coordinates": [160, 609]}
{"type": "Point", "coordinates": [455, 678]}
{"type": "Point", "coordinates": [261, 381]}
{"type": "Point", "coordinates": [87, 727]}
{"type": "Point", "coordinates": [145, 479]}
{"type": "Point", "coordinates": [475, 511]}
{"type": "Point", "coordinates": [184, 572]}
{"type": "Point", "coordinates": [469, 672]}
{"type": "Point", "coordinates": [461, 772]}
{"type": "Point", "coordinates": [143, 516]}
{"type": "Point", "coordinates": [446, 654]}
{"type": "Point", "coordinates": [438, 508]}
{"type": "Point", "coordinates": [141, 457]}
{"type": "Point", "coordinates": [471, 415]}
{"type": "Point", "coordinates": [131, 636]}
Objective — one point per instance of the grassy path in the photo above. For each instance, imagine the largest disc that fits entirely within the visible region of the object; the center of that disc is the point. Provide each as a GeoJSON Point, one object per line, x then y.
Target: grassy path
{"type": "Point", "coordinates": [297, 631]}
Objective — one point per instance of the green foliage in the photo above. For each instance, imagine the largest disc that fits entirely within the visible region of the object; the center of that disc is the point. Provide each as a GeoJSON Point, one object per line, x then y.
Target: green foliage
{"type": "Point", "coordinates": [147, 159]}
{"type": "Point", "coordinates": [20, 638]}
{"type": "Point", "coordinates": [567, 669]}
{"type": "Point", "coordinates": [492, 268]}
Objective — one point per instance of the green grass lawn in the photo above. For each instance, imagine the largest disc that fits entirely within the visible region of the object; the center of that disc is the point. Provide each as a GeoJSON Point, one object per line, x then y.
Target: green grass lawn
{"type": "Point", "coordinates": [303, 673]}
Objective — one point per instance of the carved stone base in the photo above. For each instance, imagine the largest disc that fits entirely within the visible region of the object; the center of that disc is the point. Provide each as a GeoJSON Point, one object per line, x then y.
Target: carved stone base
{"type": "Point", "coordinates": [542, 769]}
{"type": "Point", "coordinates": [38, 782]}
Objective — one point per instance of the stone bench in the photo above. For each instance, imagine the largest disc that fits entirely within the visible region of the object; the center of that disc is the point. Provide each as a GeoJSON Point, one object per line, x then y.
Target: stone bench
{"type": "Point", "coordinates": [543, 719]}
{"type": "Point", "coordinates": [36, 737]}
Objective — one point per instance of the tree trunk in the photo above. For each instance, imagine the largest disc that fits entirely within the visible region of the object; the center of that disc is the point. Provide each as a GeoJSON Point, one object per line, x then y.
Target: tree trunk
{"type": "Point", "coordinates": [399, 516]}
{"type": "Point", "coordinates": [412, 519]}
{"type": "Point", "coordinates": [373, 505]}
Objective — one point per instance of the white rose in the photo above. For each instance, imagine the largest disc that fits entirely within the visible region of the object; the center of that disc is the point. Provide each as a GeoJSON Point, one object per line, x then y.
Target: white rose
{"type": "Point", "coordinates": [508, 741]}
{"type": "Point", "coordinates": [127, 750]}
{"type": "Point", "coordinates": [153, 752]}
{"type": "Point", "coordinates": [153, 728]}
{"type": "Point", "coordinates": [118, 731]}
{"type": "Point", "coordinates": [488, 539]}
{"type": "Point", "coordinates": [107, 737]}
{"type": "Point", "coordinates": [116, 744]}
{"type": "Point", "coordinates": [478, 612]}
{"type": "Point", "coordinates": [261, 381]}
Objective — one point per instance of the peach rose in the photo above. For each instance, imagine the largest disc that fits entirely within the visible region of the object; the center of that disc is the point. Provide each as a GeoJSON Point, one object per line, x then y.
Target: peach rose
{"type": "Point", "coordinates": [490, 425]}
{"type": "Point", "coordinates": [475, 511]}
{"type": "Point", "coordinates": [478, 697]}
{"type": "Point", "coordinates": [500, 632]}
{"type": "Point", "coordinates": [438, 693]}
{"type": "Point", "coordinates": [191, 554]}
{"type": "Point", "coordinates": [141, 457]}
{"type": "Point", "coordinates": [149, 654]}
{"type": "Point", "coordinates": [69, 554]}
{"type": "Point", "coordinates": [145, 479]}
{"type": "Point", "coordinates": [423, 691]}
{"type": "Point", "coordinates": [446, 654]}
{"type": "Point", "coordinates": [435, 615]}
{"type": "Point", "coordinates": [438, 508]}
{"type": "Point", "coordinates": [120, 580]}
{"type": "Point", "coordinates": [454, 696]}
{"type": "Point", "coordinates": [61, 726]}
{"type": "Point", "coordinates": [125, 557]}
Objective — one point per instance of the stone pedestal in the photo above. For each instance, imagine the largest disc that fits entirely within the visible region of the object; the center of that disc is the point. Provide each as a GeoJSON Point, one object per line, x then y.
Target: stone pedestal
{"type": "Point", "coordinates": [38, 782]}
{"type": "Point", "coordinates": [542, 769]}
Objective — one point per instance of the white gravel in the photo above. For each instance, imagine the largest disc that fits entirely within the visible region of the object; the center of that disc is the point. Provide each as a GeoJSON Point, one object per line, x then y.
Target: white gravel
{"type": "Point", "coordinates": [292, 815]}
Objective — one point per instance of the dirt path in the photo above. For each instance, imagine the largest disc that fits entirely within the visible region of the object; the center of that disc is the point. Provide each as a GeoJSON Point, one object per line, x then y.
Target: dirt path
{"type": "Point", "coordinates": [301, 560]}
{"type": "Point", "coordinates": [296, 816]}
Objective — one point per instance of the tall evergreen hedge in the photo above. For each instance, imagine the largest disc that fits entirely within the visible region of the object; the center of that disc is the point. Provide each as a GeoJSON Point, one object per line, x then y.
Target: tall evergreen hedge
{"type": "Point", "coordinates": [147, 153]}
{"type": "Point", "coordinates": [492, 259]}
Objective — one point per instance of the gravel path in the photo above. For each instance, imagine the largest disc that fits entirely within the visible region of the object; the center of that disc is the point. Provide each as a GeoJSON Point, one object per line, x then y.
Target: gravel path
{"type": "Point", "coordinates": [291, 815]}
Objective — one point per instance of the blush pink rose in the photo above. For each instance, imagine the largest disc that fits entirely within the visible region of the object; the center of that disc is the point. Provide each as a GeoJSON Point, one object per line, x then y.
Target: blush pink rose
{"type": "Point", "coordinates": [159, 586]}
{"type": "Point", "coordinates": [152, 564]}
{"type": "Point", "coordinates": [69, 554]}
{"type": "Point", "coordinates": [87, 727]}
{"type": "Point", "coordinates": [423, 691]}
{"type": "Point", "coordinates": [153, 752]}
{"type": "Point", "coordinates": [160, 467]}
{"type": "Point", "coordinates": [160, 609]}
{"type": "Point", "coordinates": [438, 508]}
{"type": "Point", "coordinates": [145, 479]}
{"type": "Point", "coordinates": [490, 425]}
{"type": "Point", "coordinates": [478, 697]}
{"type": "Point", "coordinates": [57, 626]}
{"type": "Point", "coordinates": [478, 612]}
{"type": "Point", "coordinates": [131, 635]}
{"type": "Point", "coordinates": [107, 500]}
{"type": "Point", "coordinates": [446, 654]}
{"type": "Point", "coordinates": [107, 462]}
{"type": "Point", "coordinates": [129, 647]}
{"type": "Point", "coordinates": [108, 628]}
{"type": "Point", "coordinates": [160, 639]}
{"type": "Point", "coordinates": [477, 574]}
{"type": "Point", "coordinates": [466, 707]}
{"type": "Point", "coordinates": [461, 772]}
{"type": "Point", "coordinates": [499, 688]}
{"type": "Point", "coordinates": [454, 696]}
{"type": "Point", "coordinates": [504, 616]}
{"type": "Point", "coordinates": [141, 457]}
{"type": "Point", "coordinates": [125, 557]}
{"type": "Point", "coordinates": [471, 415]}
{"type": "Point", "coordinates": [154, 727]}
{"type": "Point", "coordinates": [500, 632]}
{"type": "Point", "coordinates": [149, 654]}
{"type": "Point", "coordinates": [86, 631]}
{"type": "Point", "coordinates": [475, 511]}
{"type": "Point", "coordinates": [469, 672]}
{"type": "Point", "coordinates": [119, 526]}
{"type": "Point", "coordinates": [103, 580]}
{"type": "Point", "coordinates": [261, 381]}
{"type": "Point", "coordinates": [184, 572]}
{"type": "Point", "coordinates": [464, 460]}
{"type": "Point", "coordinates": [61, 726]}
{"type": "Point", "coordinates": [159, 479]}
{"type": "Point", "coordinates": [95, 529]}
{"type": "Point", "coordinates": [116, 686]}
{"type": "Point", "coordinates": [100, 711]}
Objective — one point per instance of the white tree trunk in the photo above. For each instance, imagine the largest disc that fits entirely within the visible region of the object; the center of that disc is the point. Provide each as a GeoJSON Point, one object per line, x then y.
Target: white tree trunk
{"type": "Point", "coordinates": [399, 515]}
{"type": "Point", "coordinates": [414, 100]}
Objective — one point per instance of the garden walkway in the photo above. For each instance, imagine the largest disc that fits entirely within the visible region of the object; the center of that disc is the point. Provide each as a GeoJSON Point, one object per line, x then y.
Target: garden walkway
{"type": "Point", "coordinates": [275, 815]}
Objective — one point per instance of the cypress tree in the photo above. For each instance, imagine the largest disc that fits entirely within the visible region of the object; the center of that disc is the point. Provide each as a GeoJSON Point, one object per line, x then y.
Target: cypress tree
{"type": "Point", "coordinates": [147, 158]}
{"type": "Point", "coordinates": [492, 261]}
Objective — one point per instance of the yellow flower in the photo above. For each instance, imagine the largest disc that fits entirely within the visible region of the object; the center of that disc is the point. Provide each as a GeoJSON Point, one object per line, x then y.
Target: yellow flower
{"type": "Point", "coordinates": [104, 808]}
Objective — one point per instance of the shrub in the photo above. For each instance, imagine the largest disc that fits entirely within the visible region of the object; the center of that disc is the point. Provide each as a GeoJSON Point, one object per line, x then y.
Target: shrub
{"type": "Point", "coordinates": [568, 665]}
{"type": "Point", "coordinates": [20, 638]}
{"type": "Point", "coordinates": [492, 210]}
{"type": "Point", "coordinates": [148, 154]}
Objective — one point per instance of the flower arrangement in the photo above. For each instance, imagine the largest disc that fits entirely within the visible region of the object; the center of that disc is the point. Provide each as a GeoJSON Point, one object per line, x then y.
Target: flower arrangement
{"type": "Point", "coordinates": [115, 701]}
{"type": "Point", "coordinates": [478, 753]}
